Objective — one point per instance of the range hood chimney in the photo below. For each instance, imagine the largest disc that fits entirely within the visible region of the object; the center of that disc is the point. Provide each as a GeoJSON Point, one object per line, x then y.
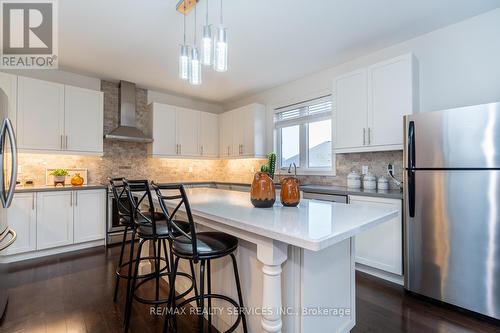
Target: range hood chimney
{"type": "Point", "coordinates": [127, 130]}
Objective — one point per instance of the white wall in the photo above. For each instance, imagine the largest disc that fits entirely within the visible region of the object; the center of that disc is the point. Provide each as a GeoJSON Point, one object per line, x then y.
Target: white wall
{"type": "Point", "coordinates": [185, 102]}
{"type": "Point", "coordinates": [459, 65]}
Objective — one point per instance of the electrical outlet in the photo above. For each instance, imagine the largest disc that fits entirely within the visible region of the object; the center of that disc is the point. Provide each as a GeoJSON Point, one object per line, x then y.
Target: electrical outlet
{"type": "Point", "coordinates": [364, 169]}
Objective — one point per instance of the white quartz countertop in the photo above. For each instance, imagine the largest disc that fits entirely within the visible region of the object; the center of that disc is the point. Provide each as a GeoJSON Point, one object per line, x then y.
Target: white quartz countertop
{"type": "Point", "coordinates": [313, 225]}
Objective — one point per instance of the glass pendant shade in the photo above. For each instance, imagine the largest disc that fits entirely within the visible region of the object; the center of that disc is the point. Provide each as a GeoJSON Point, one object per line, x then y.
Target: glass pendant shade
{"type": "Point", "coordinates": [195, 67]}
{"type": "Point", "coordinates": [184, 63]}
{"type": "Point", "coordinates": [207, 46]}
{"type": "Point", "coordinates": [220, 49]}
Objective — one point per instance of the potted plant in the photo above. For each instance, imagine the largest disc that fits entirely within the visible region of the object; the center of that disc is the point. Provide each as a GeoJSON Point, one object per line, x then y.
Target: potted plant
{"type": "Point", "coordinates": [59, 176]}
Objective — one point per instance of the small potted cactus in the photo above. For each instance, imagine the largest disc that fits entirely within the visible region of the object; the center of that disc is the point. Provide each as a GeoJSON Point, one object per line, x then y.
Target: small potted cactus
{"type": "Point", "coordinates": [263, 191]}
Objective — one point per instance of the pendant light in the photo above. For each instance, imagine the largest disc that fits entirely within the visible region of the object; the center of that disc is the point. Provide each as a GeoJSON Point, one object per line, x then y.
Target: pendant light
{"type": "Point", "coordinates": [207, 42]}
{"type": "Point", "coordinates": [195, 63]}
{"type": "Point", "coordinates": [220, 46]}
{"type": "Point", "coordinates": [184, 55]}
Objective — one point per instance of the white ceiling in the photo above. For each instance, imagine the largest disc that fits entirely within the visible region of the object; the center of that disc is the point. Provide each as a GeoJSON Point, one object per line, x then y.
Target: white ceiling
{"type": "Point", "coordinates": [270, 42]}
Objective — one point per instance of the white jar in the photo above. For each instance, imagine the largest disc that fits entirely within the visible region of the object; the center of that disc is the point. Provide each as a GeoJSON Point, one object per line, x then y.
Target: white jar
{"type": "Point", "coordinates": [353, 180]}
{"type": "Point", "coordinates": [369, 182]}
{"type": "Point", "coordinates": [383, 183]}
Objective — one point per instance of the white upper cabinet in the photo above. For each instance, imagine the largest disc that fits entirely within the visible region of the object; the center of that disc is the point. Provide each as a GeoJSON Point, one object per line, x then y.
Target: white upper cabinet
{"type": "Point", "coordinates": [226, 134]}
{"type": "Point", "coordinates": [209, 134]}
{"type": "Point", "coordinates": [182, 132]}
{"type": "Point", "coordinates": [83, 120]}
{"type": "Point", "coordinates": [370, 104]}
{"type": "Point", "coordinates": [351, 106]}
{"type": "Point", "coordinates": [8, 83]}
{"type": "Point", "coordinates": [54, 117]}
{"type": "Point", "coordinates": [40, 115]}
{"type": "Point", "coordinates": [243, 132]}
{"type": "Point", "coordinates": [164, 130]}
{"type": "Point", "coordinates": [188, 125]}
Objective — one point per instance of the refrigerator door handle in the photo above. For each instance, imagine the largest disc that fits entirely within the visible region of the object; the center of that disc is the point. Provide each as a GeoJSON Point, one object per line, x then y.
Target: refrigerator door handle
{"type": "Point", "coordinates": [411, 171]}
{"type": "Point", "coordinates": [13, 174]}
{"type": "Point", "coordinates": [9, 243]}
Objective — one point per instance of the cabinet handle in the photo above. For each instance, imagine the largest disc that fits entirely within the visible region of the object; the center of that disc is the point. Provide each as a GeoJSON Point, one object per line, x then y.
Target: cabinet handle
{"type": "Point", "coordinates": [364, 136]}
{"type": "Point", "coordinates": [201, 148]}
{"type": "Point", "coordinates": [71, 199]}
{"type": "Point", "coordinates": [66, 144]}
{"type": "Point", "coordinates": [62, 139]}
{"type": "Point", "coordinates": [33, 201]}
{"type": "Point", "coordinates": [76, 198]}
{"type": "Point", "coordinates": [180, 149]}
{"type": "Point", "coordinates": [227, 150]}
{"type": "Point", "coordinates": [369, 136]}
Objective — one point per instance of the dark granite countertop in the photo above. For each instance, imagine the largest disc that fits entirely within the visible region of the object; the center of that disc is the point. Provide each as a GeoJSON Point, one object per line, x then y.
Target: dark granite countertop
{"type": "Point", "coordinates": [47, 188]}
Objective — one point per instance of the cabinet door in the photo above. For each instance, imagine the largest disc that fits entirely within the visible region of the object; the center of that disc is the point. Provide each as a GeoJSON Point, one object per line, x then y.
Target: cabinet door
{"type": "Point", "coordinates": [83, 120]}
{"type": "Point", "coordinates": [8, 83]}
{"type": "Point", "coordinates": [54, 216]}
{"type": "Point", "coordinates": [254, 132]}
{"type": "Point", "coordinates": [390, 99]}
{"type": "Point", "coordinates": [89, 215]}
{"type": "Point", "coordinates": [226, 134]}
{"type": "Point", "coordinates": [40, 116]}
{"type": "Point", "coordinates": [209, 134]}
{"type": "Point", "coordinates": [351, 110]}
{"type": "Point", "coordinates": [239, 117]}
{"type": "Point", "coordinates": [188, 122]}
{"type": "Point", "coordinates": [381, 247]}
{"type": "Point", "coordinates": [164, 130]}
{"type": "Point", "coordinates": [21, 216]}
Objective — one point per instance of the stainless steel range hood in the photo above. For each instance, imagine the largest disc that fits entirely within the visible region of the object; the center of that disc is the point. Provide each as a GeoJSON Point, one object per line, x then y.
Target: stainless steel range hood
{"type": "Point", "coordinates": [127, 130]}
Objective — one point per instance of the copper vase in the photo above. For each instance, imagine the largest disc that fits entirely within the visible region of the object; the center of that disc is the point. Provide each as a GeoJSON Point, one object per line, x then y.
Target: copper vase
{"type": "Point", "coordinates": [290, 192]}
{"type": "Point", "coordinates": [262, 191]}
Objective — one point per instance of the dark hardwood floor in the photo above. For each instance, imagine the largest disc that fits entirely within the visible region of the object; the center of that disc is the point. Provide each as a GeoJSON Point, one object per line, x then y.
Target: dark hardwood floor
{"type": "Point", "coordinates": [73, 293]}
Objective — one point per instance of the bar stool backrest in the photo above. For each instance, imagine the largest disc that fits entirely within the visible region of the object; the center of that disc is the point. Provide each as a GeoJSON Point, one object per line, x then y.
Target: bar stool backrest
{"type": "Point", "coordinates": [176, 197]}
{"type": "Point", "coordinates": [120, 193]}
{"type": "Point", "coordinates": [139, 193]}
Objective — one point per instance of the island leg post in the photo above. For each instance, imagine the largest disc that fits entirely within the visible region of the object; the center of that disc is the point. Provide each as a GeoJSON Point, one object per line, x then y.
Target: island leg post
{"type": "Point", "coordinates": [272, 255]}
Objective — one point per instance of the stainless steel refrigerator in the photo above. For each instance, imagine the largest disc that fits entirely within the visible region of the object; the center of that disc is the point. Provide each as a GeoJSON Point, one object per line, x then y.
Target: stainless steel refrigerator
{"type": "Point", "coordinates": [452, 206]}
{"type": "Point", "coordinates": [8, 175]}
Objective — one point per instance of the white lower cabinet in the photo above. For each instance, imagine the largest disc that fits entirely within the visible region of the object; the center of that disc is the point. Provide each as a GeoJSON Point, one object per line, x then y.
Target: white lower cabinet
{"type": "Point", "coordinates": [47, 220]}
{"type": "Point", "coordinates": [21, 217]}
{"type": "Point", "coordinates": [381, 247]}
{"type": "Point", "coordinates": [54, 212]}
{"type": "Point", "coordinates": [89, 213]}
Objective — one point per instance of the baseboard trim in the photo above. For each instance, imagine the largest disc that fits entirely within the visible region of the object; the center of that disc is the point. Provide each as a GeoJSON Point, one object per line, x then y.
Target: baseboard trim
{"type": "Point", "coordinates": [394, 278]}
{"type": "Point", "coordinates": [48, 252]}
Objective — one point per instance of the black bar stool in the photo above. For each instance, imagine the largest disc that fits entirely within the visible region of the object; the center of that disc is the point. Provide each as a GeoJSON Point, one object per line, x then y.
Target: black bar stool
{"type": "Point", "coordinates": [199, 247]}
{"type": "Point", "coordinates": [149, 226]}
{"type": "Point", "coordinates": [124, 212]}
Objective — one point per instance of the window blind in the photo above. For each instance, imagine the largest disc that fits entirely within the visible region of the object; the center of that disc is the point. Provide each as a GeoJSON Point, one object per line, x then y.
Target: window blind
{"type": "Point", "coordinates": [313, 110]}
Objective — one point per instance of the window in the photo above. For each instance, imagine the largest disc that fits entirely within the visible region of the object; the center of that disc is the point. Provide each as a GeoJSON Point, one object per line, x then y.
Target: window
{"type": "Point", "coordinates": [304, 135]}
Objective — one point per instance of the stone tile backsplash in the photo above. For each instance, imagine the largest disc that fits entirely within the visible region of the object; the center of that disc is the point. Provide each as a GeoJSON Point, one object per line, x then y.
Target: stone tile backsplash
{"type": "Point", "coordinates": [128, 159]}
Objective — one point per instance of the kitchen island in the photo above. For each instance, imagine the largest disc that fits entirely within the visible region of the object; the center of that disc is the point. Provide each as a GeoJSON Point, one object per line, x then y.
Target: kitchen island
{"type": "Point", "coordinates": [296, 263]}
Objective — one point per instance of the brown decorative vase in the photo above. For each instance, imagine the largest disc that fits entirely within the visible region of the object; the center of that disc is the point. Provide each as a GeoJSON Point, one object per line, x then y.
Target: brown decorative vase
{"type": "Point", "coordinates": [262, 191]}
{"type": "Point", "coordinates": [77, 180]}
{"type": "Point", "coordinates": [290, 192]}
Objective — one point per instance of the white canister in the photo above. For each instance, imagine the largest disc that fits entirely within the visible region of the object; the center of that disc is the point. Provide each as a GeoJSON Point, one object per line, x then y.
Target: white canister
{"type": "Point", "coordinates": [369, 182]}
{"type": "Point", "coordinates": [353, 180]}
{"type": "Point", "coordinates": [383, 183]}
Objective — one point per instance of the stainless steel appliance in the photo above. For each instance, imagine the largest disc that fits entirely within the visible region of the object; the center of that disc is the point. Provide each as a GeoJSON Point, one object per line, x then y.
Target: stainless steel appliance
{"type": "Point", "coordinates": [8, 175]}
{"type": "Point", "coordinates": [114, 228]}
{"type": "Point", "coordinates": [452, 207]}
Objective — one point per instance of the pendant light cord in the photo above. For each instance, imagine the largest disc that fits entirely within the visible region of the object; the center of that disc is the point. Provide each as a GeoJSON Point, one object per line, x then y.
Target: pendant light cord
{"type": "Point", "coordinates": [184, 17]}
{"type": "Point", "coordinates": [206, 15]}
{"type": "Point", "coordinates": [195, 26]}
{"type": "Point", "coordinates": [221, 12]}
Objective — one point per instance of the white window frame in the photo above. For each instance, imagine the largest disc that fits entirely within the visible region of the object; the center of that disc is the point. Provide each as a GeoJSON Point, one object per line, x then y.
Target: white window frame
{"type": "Point", "coordinates": [303, 168]}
